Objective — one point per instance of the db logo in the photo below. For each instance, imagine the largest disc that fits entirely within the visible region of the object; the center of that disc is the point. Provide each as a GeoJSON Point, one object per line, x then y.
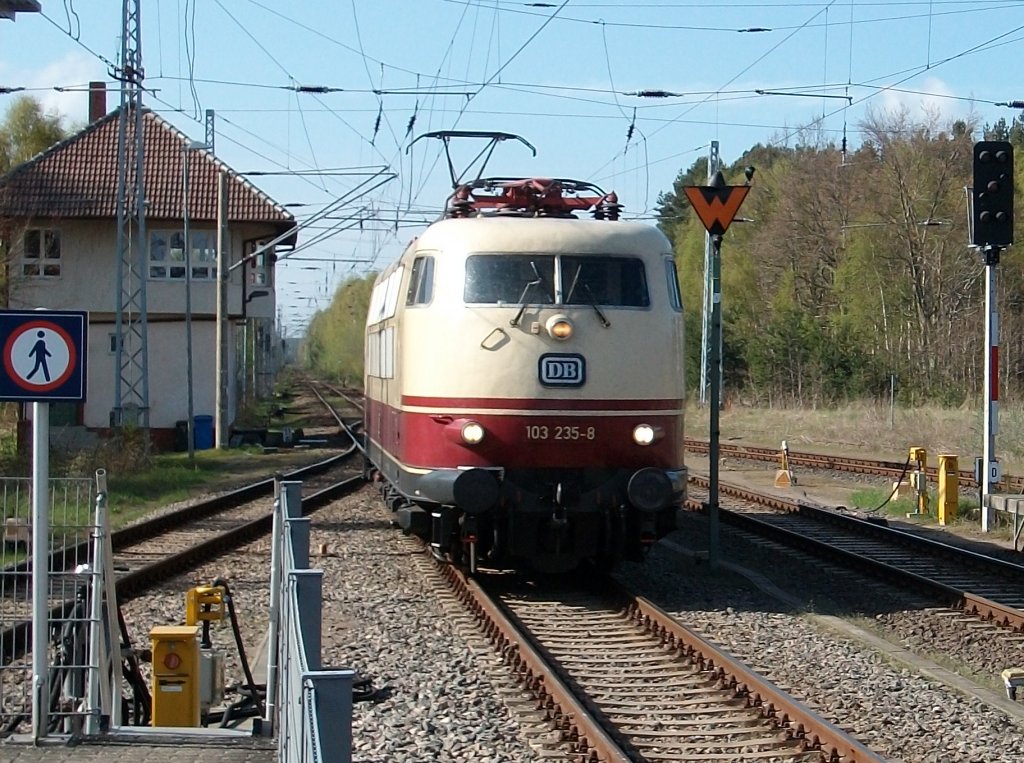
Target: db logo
{"type": "Point", "coordinates": [562, 370]}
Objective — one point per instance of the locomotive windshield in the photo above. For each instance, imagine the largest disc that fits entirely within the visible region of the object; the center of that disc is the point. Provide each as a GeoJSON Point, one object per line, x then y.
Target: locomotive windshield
{"type": "Point", "coordinates": [513, 279]}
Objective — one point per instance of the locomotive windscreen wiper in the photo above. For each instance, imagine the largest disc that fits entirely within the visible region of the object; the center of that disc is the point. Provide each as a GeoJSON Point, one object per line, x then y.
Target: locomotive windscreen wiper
{"type": "Point", "coordinates": [591, 299]}
{"type": "Point", "coordinates": [593, 304]}
{"type": "Point", "coordinates": [526, 290]}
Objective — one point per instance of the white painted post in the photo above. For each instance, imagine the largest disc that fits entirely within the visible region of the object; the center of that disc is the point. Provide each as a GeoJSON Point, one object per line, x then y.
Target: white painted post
{"type": "Point", "coordinates": [991, 475]}
{"type": "Point", "coordinates": [40, 567]}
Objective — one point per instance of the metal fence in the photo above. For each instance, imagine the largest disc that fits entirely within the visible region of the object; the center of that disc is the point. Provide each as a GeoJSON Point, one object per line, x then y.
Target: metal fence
{"type": "Point", "coordinates": [64, 706]}
{"type": "Point", "coordinates": [309, 708]}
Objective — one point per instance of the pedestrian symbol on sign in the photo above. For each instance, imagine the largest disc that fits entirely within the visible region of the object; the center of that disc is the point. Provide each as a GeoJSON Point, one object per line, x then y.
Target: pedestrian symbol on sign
{"type": "Point", "coordinates": [40, 353]}
{"type": "Point", "coordinates": [40, 356]}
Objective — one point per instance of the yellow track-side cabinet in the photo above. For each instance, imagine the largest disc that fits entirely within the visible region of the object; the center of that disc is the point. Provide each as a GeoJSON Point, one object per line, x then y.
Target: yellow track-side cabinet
{"type": "Point", "coordinates": [949, 488]}
{"type": "Point", "coordinates": [175, 675]}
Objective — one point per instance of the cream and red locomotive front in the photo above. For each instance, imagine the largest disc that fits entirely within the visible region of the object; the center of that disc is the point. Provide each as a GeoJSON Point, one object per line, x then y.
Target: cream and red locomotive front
{"type": "Point", "coordinates": [524, 380]}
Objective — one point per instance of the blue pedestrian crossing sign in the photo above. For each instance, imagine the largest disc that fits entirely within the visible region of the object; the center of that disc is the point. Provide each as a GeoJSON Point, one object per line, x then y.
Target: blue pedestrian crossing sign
{"type": "Point", "coordinates": [44, 355]}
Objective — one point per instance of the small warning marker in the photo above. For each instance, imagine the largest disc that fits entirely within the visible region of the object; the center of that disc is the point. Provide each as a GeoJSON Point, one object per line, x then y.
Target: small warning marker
{"type": "Point", "coordinates": [784, 477]}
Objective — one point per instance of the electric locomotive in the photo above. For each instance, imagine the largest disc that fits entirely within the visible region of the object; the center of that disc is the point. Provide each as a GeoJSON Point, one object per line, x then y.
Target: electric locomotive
{"type": "Point", "coordinates": [524, 379]}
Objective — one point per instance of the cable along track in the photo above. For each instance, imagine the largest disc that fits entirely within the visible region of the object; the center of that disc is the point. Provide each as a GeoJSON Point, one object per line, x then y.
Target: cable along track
{"type": "Point", "coordinates": [991, 588]}
{"type": "Point", "coordinates": [623, 681]}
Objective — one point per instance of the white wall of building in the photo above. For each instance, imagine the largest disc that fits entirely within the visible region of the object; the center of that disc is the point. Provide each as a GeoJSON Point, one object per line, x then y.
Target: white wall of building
{"type": "Point", "coordinates": [88, 281]}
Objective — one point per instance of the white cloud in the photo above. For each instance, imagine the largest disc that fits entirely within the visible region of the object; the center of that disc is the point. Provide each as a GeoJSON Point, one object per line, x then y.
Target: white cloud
{"type": "Point", "coordinates": [930, 99]}
{"type": "Point", "coordinates": [73, 70]}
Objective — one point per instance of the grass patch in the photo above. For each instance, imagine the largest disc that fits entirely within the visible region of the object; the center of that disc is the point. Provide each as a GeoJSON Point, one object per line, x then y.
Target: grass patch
{"type": "Point", "coordinates": [872, 499]}
{"type": "Point", "coordinates": [170, 478]}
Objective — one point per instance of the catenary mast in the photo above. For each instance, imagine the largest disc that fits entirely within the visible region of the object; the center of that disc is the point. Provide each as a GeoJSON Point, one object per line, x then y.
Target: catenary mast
{"type": "Point", "coordinates": [131, 381]}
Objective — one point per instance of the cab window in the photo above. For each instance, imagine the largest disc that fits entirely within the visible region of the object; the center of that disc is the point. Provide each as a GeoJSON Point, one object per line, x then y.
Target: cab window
{"type": "Point", "coordinates": [421, 281]}
{"type": "Point", "coordinates": [508, 279]}
{"type": "Point", "coordinates": [513, 279]}
{"type": "Point", "coordinates": [609, 281]}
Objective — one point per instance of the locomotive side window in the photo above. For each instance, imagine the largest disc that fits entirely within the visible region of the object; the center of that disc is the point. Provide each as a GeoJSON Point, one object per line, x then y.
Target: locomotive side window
{"type": "Point", "coordinates": [384, 298]}
{"type": "Point", "coordinates": [421, 281]}
{"type": "Point", "coordinates": [675, 298]}
{"type": "Point", "coordinates": [610, 281]}
{"type": "Point", "coordinates": [510, 279]}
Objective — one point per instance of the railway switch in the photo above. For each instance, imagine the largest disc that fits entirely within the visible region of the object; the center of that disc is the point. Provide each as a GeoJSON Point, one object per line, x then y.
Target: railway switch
{"type": "Point", "coordinates": [949, 488]}
{"type": "Point", "coordinates": [175, 671]}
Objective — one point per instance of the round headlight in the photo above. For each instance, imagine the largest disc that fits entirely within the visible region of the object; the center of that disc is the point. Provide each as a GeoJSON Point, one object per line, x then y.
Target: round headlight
{"type": "Point", "coordinates": [472, 433]}
{"type": "Point", "coordinates": [643, 434]}
{"type": "Point", "coordinates": [559, 327]}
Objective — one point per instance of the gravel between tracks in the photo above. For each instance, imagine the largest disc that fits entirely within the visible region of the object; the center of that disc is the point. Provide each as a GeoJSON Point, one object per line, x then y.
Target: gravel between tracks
{"type": "Point", "coordinates": [384, 619]}
{"type": "Point", "coordinates": [898, 713]}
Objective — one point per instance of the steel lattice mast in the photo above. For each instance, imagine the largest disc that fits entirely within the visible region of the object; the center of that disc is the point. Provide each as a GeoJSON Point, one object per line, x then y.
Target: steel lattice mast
{"type": "Point", "coordinates": [131, 381]}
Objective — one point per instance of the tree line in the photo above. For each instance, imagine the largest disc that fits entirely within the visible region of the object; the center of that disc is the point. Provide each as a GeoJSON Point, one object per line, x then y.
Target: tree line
{"type": "Point", "coordinates": [852, 273]}
{"type": "Point", "coordinates": [854, 269]}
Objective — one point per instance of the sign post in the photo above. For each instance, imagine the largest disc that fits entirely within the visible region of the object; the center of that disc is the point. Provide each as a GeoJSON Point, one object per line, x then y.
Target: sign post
{"type": "Point", "coordinates": [716, 205]}
{"type": "Point", "coordinates": [43, 360]}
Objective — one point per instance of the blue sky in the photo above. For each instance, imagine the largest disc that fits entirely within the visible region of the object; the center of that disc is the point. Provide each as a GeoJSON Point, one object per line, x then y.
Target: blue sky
{"type": "Point", "coordinates": [562, 75]}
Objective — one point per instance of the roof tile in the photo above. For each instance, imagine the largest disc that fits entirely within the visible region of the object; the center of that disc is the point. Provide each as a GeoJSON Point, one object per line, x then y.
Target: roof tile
{"type": "Point", "coordinates": [78, 178]}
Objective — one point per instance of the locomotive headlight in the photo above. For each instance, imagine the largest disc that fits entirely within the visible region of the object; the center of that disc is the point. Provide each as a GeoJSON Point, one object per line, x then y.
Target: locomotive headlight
{"type": "Point", "coordinates": [472, 433]}
{"type": "Point", "coordinates": [645, 434]}
{"type": "Point", "coordinates": [559, 327]}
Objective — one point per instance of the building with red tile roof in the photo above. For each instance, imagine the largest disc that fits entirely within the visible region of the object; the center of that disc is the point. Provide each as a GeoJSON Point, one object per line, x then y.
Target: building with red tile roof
{"type": "Point", "coordinates": [58, 219]}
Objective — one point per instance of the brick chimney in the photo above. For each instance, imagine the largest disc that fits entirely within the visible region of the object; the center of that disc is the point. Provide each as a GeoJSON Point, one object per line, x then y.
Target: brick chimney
{"type": "Point", "coordinates": [97, 101]}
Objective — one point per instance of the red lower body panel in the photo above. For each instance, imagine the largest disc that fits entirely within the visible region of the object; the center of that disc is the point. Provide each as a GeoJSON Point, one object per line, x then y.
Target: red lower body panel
{"type": "Point", "coordinates": [597, 436]}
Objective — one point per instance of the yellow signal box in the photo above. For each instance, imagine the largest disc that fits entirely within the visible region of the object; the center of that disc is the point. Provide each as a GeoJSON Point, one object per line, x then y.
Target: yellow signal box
{"type": "Point", "coordinates": [175, 675]}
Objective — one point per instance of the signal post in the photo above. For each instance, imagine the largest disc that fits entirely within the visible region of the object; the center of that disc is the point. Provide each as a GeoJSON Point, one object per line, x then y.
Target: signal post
{"type": "Point", "coordinates": [991, 232]}
{"type": "Point", "coordinates": [716, 205]}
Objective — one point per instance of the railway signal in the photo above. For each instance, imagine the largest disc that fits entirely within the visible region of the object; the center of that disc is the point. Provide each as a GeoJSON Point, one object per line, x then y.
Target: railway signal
{"type": "Point", "coordinates": [992, 195]}
{"type": "Point", "coordinates": [991, 231]}
{"type": "Point", "coordinates": [716, 204]}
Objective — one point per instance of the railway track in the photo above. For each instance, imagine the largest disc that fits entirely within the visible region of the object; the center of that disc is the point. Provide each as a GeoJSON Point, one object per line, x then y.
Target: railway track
{"type": "Point", "coordinates": [991, 588]}
{"type": "Point", "coordinates": [621, 680]}
{"type": "Point", "coordinates": [889, 469]}
{"type": "Point", "coordinates": [149, 551]}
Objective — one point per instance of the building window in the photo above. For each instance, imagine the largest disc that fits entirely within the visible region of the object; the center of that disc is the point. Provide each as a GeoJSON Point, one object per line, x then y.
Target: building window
{"type": "Point", "coordinates": [167, 255]}
{"type": "Point", "coordinates": [260, 267]}
{"type": "Point", "coordinates": [41, 253]}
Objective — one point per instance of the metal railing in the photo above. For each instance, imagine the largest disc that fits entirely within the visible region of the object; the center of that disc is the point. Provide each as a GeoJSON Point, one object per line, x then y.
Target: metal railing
{"type": "Point", "coordinates": [309, 708]}
{"type": "Point", "coordinates": [71, 578]}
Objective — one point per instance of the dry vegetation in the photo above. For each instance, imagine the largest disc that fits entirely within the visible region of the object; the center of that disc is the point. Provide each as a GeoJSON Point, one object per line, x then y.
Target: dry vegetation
{"type": "Point", "coordinates": [870, 431]}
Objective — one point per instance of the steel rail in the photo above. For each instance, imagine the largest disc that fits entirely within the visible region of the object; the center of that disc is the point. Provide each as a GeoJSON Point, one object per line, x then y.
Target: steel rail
{"type": "Point", "coordinates": [65, 557]}
{"type": "Point", "coordinates": [578, 719]}
{"type": "Point", "coordinates": [575, 721]}
{"type": "Point", "coordinates": [16, 640]}
{"type": "Point", "coordinates": [965, 477]}
{"type": "Point", "coordinates": [951, 595]}
{"type": "Point", "coordinates": [816, 732]}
